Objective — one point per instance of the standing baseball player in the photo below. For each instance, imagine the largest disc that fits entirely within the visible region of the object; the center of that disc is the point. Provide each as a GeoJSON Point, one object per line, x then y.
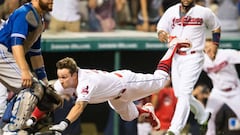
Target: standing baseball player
{"type": "Point", "coordinates": [187, 22]}
{"type": "Point", "coordinates": [20, 35]}
{"type": "Point", "coordinates": [120, 88]}
{"type": "Point", "coordinates": [219, 65]}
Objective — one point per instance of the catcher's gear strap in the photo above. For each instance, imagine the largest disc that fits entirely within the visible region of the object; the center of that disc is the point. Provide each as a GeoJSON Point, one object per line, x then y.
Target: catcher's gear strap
{"type": "Point", "coordinates": [22, 110]}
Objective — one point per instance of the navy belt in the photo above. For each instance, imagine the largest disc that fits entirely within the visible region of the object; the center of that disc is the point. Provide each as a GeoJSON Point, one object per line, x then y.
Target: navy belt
{"type": "Point", "coordinates": [185, 52]}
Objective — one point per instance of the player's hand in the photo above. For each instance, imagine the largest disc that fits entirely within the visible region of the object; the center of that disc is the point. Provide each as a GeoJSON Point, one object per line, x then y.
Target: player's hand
{"type": "Point", "coordinates": [163, 36]}
{"type": "Point", "coordinates": [59, 127]}
{"type": "Point", "coordinates": [26, 79]}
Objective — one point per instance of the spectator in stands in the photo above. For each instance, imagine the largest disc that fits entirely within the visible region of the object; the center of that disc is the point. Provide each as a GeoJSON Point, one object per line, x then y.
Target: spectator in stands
{"type": "Point", "coordinates": [149, 15]}
{"type": "Point", "coordinates": [201, 2]}
{"type": "Point", "coordinates": [168, 3]}
{"type": "Point", "coordinates": [213, 5]}
{"type": "Point", "coordinates": [133, 9]}
{"type": "Point", "coordinates": [122, 13]}
{"type": "Point", "coordinates": [65, 16]}
{"type": "Point", "coordinates": [101, 15]}
{"type": "Point", "coordinates": [164, 102]}
{"type": "Point", "coordinates": [219, 64]}
{"type": "Point", "coordinates": [7, 7]}
{"type": "Point", "coordinates": [229, 19]}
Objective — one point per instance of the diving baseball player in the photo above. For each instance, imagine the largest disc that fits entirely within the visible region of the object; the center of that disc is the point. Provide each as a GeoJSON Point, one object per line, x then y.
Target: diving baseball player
{"type": "Point", "coordinates": [219, 65]}
{"type": "Point", "coordinates": [120, 88]}
{"type": "Point", "coordinates": [187, 22]}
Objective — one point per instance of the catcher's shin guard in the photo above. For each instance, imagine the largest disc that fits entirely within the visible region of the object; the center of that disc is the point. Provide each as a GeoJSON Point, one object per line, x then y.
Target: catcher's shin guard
{"type": "Point", "coordinates": [23, 107]}
{"type": "Point", "coordinates": [22, 110]}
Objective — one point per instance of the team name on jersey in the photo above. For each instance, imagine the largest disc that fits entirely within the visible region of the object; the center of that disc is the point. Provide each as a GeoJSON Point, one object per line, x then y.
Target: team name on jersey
{"type": "Point", "coordinates": [218, 67]}
{"type": "Point", "coordinates": [186, 20]}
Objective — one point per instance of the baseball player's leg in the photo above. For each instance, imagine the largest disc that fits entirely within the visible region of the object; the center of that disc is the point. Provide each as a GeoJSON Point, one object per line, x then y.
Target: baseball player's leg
{"type": "Point", "coordinates": [141, 85]}
{"type": "Point", "coordinates": [181, 114]}
{"type": "Point", "coordinates": [23, 106]}
{"type": "Point", "coordinates": [231, 102]}
{"type": "Point", "coordinates": [166, 61]}
{"type": "Point", "coordinates": [128, 111]}
{"type": "Point", "coordinates": [185, 73]}
{"type": "Point", "coordinates": [10, 73]}
{"type": "Point", "coordinates": [198, 109]}
{"type": "Point", "coordinates": [213, 105]}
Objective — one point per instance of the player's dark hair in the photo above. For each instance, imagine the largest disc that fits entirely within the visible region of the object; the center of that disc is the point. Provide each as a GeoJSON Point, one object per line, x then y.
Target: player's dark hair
{"type": "Point", "coordinates": [68, 63]}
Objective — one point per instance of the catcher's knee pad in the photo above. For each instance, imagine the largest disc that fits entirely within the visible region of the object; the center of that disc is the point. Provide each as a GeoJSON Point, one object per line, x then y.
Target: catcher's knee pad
{"type": "Point", "coordinates": [22, 109]}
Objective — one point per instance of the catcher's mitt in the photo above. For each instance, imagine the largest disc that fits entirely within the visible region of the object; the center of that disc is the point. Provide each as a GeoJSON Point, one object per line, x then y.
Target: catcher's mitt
{"type": "Point", "coordinates": [50, 100]}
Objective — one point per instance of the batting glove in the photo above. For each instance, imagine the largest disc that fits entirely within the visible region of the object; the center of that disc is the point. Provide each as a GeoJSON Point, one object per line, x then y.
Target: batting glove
{"type": "Point", "coordinates": [61, 126]}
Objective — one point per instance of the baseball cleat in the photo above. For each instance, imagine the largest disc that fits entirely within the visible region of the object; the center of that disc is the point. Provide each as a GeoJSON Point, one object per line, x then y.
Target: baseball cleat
{"type": "Point", "coordinates": [150, 116]}
{"type": "Point", "coordinates": [204, 126]}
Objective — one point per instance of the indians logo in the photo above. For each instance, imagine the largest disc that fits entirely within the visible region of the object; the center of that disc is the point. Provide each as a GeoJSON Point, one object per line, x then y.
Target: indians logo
{"type": "Point", "coordinates": [187, 20]}
{"type": "Point", "coordinates": [85, 91]}
{"type": "Point", "coordinates": [218, 67]}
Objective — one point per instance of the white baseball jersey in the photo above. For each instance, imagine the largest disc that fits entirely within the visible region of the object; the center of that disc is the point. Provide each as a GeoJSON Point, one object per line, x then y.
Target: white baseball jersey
{"type": "Point", "coordinates": [187, 68]}
{"type": "Point", "coordinates": [226, 86]}
{"type": "Point", "coordinates": [119, 88]}
{"type": "Point", "coordinates": [192, 26]}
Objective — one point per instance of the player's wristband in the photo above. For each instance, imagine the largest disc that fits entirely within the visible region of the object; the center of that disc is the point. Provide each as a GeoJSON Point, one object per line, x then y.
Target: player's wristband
{"type": "Point", "coordinates": [67, 121]}
{"type": "Point", "coordinates": [41, 73]}
{"type": "Point", "coordinates": [216, 38]}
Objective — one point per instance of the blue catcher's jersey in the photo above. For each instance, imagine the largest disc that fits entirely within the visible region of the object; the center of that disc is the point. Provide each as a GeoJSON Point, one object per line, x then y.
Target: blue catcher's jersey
{"type": "Point", "coordinates": [23, 27]}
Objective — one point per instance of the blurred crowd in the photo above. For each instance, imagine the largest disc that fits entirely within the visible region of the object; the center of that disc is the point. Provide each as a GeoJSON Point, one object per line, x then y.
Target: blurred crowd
{"type": "Point", "coordinates": [108, 15]}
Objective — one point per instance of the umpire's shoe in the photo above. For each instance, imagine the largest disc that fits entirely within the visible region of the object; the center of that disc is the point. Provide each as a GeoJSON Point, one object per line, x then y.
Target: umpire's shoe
{"type": "Point", "coordinates": [204, 126]}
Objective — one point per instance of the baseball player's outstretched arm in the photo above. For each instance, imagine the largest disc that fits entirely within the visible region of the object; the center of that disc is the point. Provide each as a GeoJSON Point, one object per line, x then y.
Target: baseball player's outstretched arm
{"type": "Point", "coordinates": [74, 113]}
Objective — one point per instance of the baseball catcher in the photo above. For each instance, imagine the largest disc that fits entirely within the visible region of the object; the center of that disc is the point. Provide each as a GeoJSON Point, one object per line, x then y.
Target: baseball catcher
{"type": "Point", "coordinates": [22, 105]}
